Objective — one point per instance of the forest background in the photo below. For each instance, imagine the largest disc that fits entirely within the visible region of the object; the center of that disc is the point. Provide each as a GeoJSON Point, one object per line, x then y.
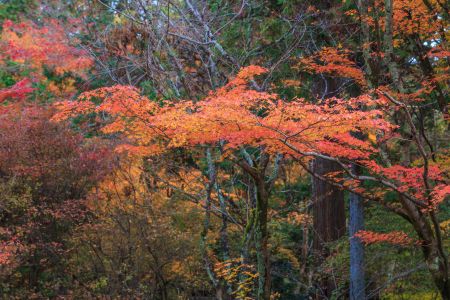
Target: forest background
{"type": "Point", "coordinates": [224, 149]}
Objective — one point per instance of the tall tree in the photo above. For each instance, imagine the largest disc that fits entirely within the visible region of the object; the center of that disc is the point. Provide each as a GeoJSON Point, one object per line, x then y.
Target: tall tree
{"type": "Point", "coordinates": [357, 265]}
{"type": "Point", "coordinates": [329, 218]}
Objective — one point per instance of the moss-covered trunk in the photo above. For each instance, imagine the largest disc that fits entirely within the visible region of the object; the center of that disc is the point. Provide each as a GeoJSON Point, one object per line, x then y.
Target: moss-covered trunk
{"type": "Point", "coordinates": [261, 240]}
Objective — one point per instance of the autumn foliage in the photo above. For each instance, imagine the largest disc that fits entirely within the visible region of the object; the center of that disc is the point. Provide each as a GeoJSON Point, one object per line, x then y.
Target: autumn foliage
{"type": "Point", "coordinates": [165, 150]}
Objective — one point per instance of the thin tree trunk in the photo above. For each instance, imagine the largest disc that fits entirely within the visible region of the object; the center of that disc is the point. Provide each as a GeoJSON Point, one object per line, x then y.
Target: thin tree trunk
{"type": "Point", "coordinates": [261, 239]}
{"type": "Point", "coordinates": [363, 11]}
{"type": "Point", "coordinates": [249, 228]}
{"type": "Point", "coordinates": [261, 234]}
{"type": "Point", "coordinates": [223, 233]}
{"type": "Point", "coordinates": [437, 268]}
{"type": "Point", "coordinates": [437, 265]}
{"type": "Point", "coordinates": [206, 223]}
{"type": "Point", "coordinates": [389, 46]}
{"type": "Point", "coordinates": [356, 223]}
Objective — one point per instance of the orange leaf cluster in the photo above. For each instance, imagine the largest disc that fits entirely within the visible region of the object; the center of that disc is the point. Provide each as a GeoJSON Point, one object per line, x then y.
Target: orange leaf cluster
{"type": "Point", "coordinates": [17, 91]}
{"type": "Point", "coordinates": [410, 179]}
{"type": "Point", "coordinates": [438, 195]}
{"type": "Point", "coordinates": [39, 46]}
{"type": "Point", "coordinates": [299, 219]}
{"type": "Point", "coordinates": [333, 62]}
{"type": "Point", "coordinates": [237, 115]}
{"type": "Point", "coordinates": [395, 237]}
{"type": "Point", "coordinates": [129, 111]}
{"type": "Point", "coordinates": [414, 17]}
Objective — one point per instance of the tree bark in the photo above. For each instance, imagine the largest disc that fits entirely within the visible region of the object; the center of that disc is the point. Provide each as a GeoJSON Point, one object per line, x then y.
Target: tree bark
{"type": "Point", "coordinates": [218, 285]}
{"type": "Point", "coordinates": [328, 217]}
{"type": "Point", "coordinates": [389, 46]}
{"type": "Point", "coordinates": [356, 223]}
{"type": "Point", "coordinates": [363, 11]}
{"type": "Point", "coordinates": [261, 239]}
{"type": "Point", "coordinates": [261, 234]}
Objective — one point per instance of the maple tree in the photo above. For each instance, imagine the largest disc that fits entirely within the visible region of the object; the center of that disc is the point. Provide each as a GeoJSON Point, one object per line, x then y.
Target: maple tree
{"type": "Point", "coordinates": [30, 52]}
{"type": "Point", "coordinates": [45, 169]}
{"type": "Point", "coordinates": [42, 46]}
{"type": "Point", "coordinates": [45, 173]}
{"type": "Point", "coordinates": [237, 115]}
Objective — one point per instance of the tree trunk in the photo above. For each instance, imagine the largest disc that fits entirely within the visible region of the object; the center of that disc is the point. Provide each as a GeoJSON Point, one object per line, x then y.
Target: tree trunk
{"type": "Point", "coordinates": [328, 217]}
{"type": "Point", "coordinates": [261, 234]}
{"type": "Point", "coordinates": [356, 223]}
{"type": "Point", "coordinates": [328, 207]}
{"type": "Point", "coordinates": [223, 233]}
{"type": "Point", "coordinates": [261, 239]}
{"type": "Point", "coordinates": [437, 264]}
{"type": "Point", "coordinates": [436, 267]}
{"type": "Point", "coordinates": [220, 293]}
{"type": "Point", "coordinates": [389, 46]}
{"type": "Point", "coordinates": [365, 30]}
{"type": "Point", "coordinates": [249, 227]}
